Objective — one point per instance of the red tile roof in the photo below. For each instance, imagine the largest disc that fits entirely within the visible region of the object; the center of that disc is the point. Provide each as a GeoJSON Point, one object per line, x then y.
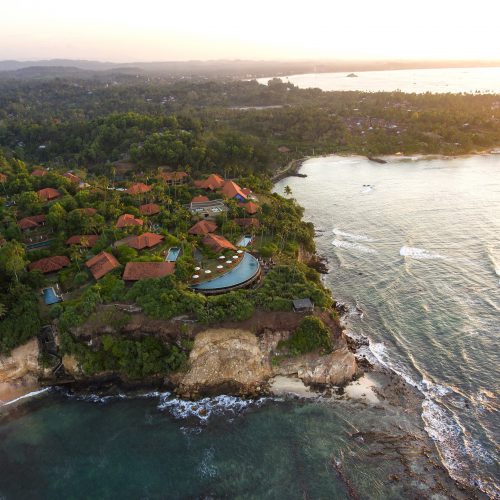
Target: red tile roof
{"type": "Point", "coordinates": [146, 240]}
{"type": "Point", "coordinates": [86, 240]}
{"type": "Point", "coordinates": [232, 190]}
{"type": "Point", "coordinates": [102, 264]}
{"type": "Point", "coordinates": [48, 194]}
{"type": "Point", "coordinates": [50, 264]}
{"type": "Point", "coordinates": [139, 188]}
{"type": "Point", "coordinates": [213, 182]}
{"type": "Point", "coordinates": [39, 172]}
{"type": "Point", "coordinates": [250, 207]}
{"type": "Point", "coordinates": [142, 270]}
{"type": "Point", "coordinates": [89, 211]}
{"type": "Point", "coordinates": [3, 177]}
{"type": "Point", "coordinates": [217, 243]}
{"type": "Point", "coordinates": [127, 220]}
{"type": "Point", "coordinates": [31, 222]}
{"type": "Point", "coordinates": [199, 199]}
{"type": "Point", "coordinates": [247, 191]}
{"type": "Point", "coordinates": [72, 177]}
{"type": "Point", "coordinates": [150, 209]}
{"type": "Point", "coordinates": [248, 222]}
{"type": "Point", "coordinates": [173, 176]}
{"type": "Point", "coordinates": [203, 227]}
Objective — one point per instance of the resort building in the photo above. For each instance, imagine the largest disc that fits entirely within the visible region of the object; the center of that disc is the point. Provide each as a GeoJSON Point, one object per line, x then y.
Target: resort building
{"type": "Point", "coordinates": [128, 220]}
{"type": "Point", "coordinates": [135, 271]}
{"type": "Point", "coordinates": [213, 182]}
{"type": "Point", "coordinates": [250, 208]}
{"type": "Point", "coordinates": [303, 305]}
{"type": "Point", "coordinates": [217, 243]}
{"type": "Point", "coordinates": [200, 199]}
{"type": "Point", "coordinates": [203, 227]}
{"type": "Point", "coordinates": [150, 209]}
{"type": "Point", "coordinates": [146, 240]}
{"type": "Point", "coordinates": [48, 194]}
{"type": "Point", "coordinates": [174, 178]}
{"type": "Point", "coordinates": [248, 223]}
{"type": "Point", "coordinates": [50, 264]}
{"type": "Point", "coordinates": [32, 222]}
{"type": "Point", "coordinates": [232, 190]}
{"type": "Point", "coordinates": [138, 188]}
{"type": "Point", "coordinates": [83, 240]}
{"type": "Point", "coordinates": [207, 209]}
{"type": "Point", "coordinates": [102, 264]}
{"type": "Point", "coordinates": [72, 177]}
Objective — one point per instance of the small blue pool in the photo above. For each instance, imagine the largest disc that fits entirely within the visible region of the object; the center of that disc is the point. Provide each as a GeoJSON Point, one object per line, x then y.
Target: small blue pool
{"type": "Point", "coordinates": [240, 275]}
{"type": "Point", "coordinates": [50, 296]}
{"type": "Point", "coordinates": [173, 254]}
{"type": "Point", "coordinates": [40, 244]}
{"type": "Point", "coordinates": [245, 241]}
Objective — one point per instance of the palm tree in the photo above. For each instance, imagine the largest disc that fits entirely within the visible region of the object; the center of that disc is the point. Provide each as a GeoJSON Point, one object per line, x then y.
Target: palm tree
{"type": "Point", "coordinates": [288, 190]}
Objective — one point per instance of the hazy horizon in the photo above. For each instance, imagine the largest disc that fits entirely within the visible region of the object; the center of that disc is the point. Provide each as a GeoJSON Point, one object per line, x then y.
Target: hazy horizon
{"type": "Point", "coordinates": [152, 31]}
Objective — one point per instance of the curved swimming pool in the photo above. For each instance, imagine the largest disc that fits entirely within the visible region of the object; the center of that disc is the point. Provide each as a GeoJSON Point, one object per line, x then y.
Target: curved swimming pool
{"type": "Point", "coordinates": [239, 276]}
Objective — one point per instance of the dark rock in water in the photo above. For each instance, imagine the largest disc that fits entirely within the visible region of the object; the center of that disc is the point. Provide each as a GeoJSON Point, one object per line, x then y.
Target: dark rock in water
{"type": "Point", "coordinates": [376, 160]}
{"type": "Point", "coordinates": [318, 264]}
{"type": "Point", "coordinates": [352, 75]}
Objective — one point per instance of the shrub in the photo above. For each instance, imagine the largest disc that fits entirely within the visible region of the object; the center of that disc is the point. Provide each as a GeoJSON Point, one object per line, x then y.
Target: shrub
{"type": "Point", "coordinates": [311, 334]}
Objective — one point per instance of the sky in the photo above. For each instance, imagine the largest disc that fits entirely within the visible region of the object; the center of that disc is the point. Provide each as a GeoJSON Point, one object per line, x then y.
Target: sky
{"type": "Point", "coordinates": [168, 30]}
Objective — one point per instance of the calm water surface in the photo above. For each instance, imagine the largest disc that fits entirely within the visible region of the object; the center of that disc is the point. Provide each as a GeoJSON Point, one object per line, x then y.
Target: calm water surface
{"type": "Point", "coordinates": [454, 80]}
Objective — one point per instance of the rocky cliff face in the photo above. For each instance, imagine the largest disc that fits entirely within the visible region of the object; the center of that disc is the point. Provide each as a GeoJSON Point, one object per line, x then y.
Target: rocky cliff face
{"type": "Point", "coordinates": [19, 372]}
{"type": "Point", "coordinates": [233, 361]}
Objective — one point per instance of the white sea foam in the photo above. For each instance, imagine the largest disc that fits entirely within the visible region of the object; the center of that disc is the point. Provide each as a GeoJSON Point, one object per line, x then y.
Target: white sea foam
{"type": "Point", "coordinates": [351, 236]}
{"type": "Point", "coordinates": [367, 189]}
{"type": "Point", "coordinates": [97, 398]}
{"type": "Point", "coordinates": [357, 247]}
{"type": "Point", "coordinates": [205, 408]}
{"type": "Point", "coordinates": [419, 253]}
{"type": "Point", "coordinates": [26, 396]}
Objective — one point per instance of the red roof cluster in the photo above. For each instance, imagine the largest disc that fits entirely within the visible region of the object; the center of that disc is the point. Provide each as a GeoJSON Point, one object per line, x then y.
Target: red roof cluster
{"type": "Point", "coordinates": [139, 188]}
{"type": "Point", "coordinates": [142, 270]}
{"type": "Point", "coordinates": [127, 220]}
{"type": "Point", "coordinates": [146, 240]}
{"type": "Point", "coordinates": [213, 182]}
{"type": "Point", "coordinates": [203, 227]}
{"type": "Point", "coordinates": [50, 264]}
{"type": "Point", "coordinates": [150, 209]}
{"type": "Point", "coordinates": [48, 194]}
{"type": "Point", "coordinates": [217, 243]}
{"type": "Point", "coordinates": [84, 240]}
{"type": "Point", "coordinates": [102, 264]}
{"type": "Point", "coordinates": [32, 222]}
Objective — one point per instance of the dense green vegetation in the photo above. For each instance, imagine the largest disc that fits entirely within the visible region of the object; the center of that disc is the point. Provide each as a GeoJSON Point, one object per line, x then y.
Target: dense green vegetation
{"type": "Point", "coordinates": [311, 335]}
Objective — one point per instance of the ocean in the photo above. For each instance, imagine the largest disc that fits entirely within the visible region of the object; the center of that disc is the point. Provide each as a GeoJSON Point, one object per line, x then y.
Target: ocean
{"type": "Point", "coordinates": [413, 248]}
{"type": "Point", "coordinates": [436, 80]}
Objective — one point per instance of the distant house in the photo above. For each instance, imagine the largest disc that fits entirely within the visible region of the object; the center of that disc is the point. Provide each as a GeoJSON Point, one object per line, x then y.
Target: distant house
{"type": "Point", "coordinates": [135, 271]}
{"type": "Point", "coordinates": [102, 264]}
{"type": "Point", "coordinates": [150, 209]}
{"type": "Point", "coordinates": [232, 190]}
{"type": "Point", "coordinates": [3, 177]}
{"type": "Point", "coordinates": [212, 182]}
{"type": "Point", "coordinates": [249, 222]}
{"type": "Point", "coordinates": [88, 211]}
{"type": "Point", "coordinates": [72, 177]}
{"type": "Point", "coordinates": [303, 305]}
{"type": "Point", "coordinates": [84, 240]}
{"type": "Point", "coordinates": [50, 264]}
{"type": "Point", "coordinates": [32, 222]}
{"type": "Point", "coordinates": [138, 188]}
{"type": "Point", "coordinates": [146, 240]}
{"type": "Point", "coordinates": [217, 243]}
{"type": "Point", "coordinates": [39, 172]}
{"type": "Point", "coordinates": [250, 208]}
{"type": "Point", "coordinates": [128, 220]}
{"type": "Point", "coordinates": [48, 194]}
{"type": "Point", "coordinates": [200, 199]}
{"type": "Point", "coordinates": [283, 149]}
{"type": "Point", "coordinates": [173, 178]}
{"type": "Point", "coordinates": [203, 227]}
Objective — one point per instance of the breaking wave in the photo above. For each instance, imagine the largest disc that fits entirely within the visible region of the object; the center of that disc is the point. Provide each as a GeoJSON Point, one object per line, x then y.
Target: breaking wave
{"type": "Point", "coordinates": [419, 253]}
{"type": "Point", "coordinates": [348, 245]}
{"type": "Point", "coordinates": [351, 236]}
{"type": "Point", "coordinates": [25, 396]}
